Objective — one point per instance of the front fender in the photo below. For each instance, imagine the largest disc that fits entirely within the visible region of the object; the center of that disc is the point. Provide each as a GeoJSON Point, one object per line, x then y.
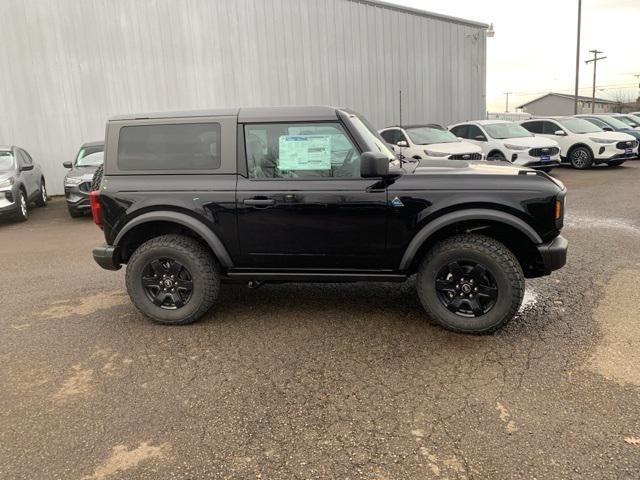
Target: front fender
{"type": "Point", "coordinates": [461, 216]}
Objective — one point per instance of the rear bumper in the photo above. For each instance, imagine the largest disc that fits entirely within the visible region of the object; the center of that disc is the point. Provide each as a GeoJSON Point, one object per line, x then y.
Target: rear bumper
{"type": "Point", "coordinates": [554, 254]}
{"type": "Point", "coordinates": [107, 256]}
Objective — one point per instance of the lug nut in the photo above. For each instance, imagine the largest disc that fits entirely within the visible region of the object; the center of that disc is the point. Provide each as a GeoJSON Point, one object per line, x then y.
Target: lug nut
{"type": "Point", "coordinates": [475, 289]}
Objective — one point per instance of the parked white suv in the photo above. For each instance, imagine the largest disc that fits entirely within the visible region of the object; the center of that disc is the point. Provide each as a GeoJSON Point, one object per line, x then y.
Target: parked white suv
{"type": "Point", "coordinates": [582, 143]}
{"type": "Point", "coordinates": [429, 142]}
{"type": "Point", "coordinates": [504, 140]}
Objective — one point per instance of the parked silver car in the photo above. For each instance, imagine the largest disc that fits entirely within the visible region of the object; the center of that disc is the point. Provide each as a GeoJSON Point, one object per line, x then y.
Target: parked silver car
{"type": "Point", "coordinates": [77, 182]}
{"type": "Point", "coordinates": [21, 183]}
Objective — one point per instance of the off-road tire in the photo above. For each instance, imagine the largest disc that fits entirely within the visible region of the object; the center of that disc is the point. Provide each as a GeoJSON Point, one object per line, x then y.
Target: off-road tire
{"type": "Point", "coordinates": [498, 260]}
{"type": "Point", "coordinates": [97, 178]}
{"type": "Point", "coordinates": [581, 158]}
{"type": "Point", "coordinates": [42, 199]}
{"type": "Point", "coordinates": [196, 259]}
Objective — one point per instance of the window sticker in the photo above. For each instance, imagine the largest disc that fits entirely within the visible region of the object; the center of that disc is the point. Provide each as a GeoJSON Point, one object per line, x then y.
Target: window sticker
{"type": "Point", "coordinates": [305, 152]}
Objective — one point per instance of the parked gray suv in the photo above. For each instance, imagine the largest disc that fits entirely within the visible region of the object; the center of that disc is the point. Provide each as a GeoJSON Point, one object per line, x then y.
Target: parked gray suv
{"type": "Point", "coordinates": [21, 183]}
{"type": "Point", "coordinates": [77, 182]}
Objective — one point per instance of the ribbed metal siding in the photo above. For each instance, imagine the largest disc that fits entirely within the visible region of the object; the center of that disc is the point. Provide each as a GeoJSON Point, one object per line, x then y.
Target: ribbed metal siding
{"type": "Point", "coordinates": [69, 64]}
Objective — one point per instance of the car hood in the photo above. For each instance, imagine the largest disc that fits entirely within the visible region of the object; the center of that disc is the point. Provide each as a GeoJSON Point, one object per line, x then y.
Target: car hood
{"type": "Point", "coordinates": [5, 175]}
{"type": "Point", "coordinates": [533, 142]}
{"type": "Point", "coordinates": [613, 136]}
{"type": "Point", "coordinates": [463, 167]}
{"type": "Point", "coordinates": [454, 148]}
{"type": "Point", "coordinates": [86, 173]}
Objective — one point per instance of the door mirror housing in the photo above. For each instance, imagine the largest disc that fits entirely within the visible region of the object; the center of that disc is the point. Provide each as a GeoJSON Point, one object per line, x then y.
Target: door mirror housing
{"type": "Point", "coordinates": [560, 133]}
{"type": "Point", "coordinates": [607, 129]}
{"type": "Point", "coordinates": [374, 165]}
{"type": "Point", "coordinates": [67, 164]}
{"type": "Point", "coordinates": [480, 138]}
{"type": "Point", "coordinates": [402, 143]}
{"type": "Point", "coordinates": [26, 168]}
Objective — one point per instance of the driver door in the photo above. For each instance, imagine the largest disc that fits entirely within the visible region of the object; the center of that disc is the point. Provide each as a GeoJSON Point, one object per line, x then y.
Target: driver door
{"type": "Point", "coordinates": [303, 204]}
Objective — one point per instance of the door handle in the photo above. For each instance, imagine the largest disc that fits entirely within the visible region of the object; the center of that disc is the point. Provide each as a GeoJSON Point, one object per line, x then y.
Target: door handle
{"type": "Point", "coordinates": [259, 202]}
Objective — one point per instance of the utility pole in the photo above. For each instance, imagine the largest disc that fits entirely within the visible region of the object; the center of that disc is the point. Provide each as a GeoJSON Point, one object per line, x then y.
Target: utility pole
{"type": "Point", "coordinates": [507, 106]}
{"type": "Point", "coordinates": [575, 96]}
{"type": "Point", "coordinates": [595, 60]}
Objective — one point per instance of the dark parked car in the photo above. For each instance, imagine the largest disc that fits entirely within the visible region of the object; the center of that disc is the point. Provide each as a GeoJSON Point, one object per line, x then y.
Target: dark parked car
{"type": "Point", "coordinates": [21, 183]}
{"type": "Point", "coordinates": [77, 182]}
{"type": "Point", "coordinates": [192, 199]}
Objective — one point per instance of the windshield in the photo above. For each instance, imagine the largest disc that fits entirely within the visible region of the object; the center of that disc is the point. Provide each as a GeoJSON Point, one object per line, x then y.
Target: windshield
{"type": "Point", "coordinates": [578, 125]}
{"type": "Point", "coordinates": [371, 136]}
{"type": "Point", "coordinates": [616, 122]}
{"type": "Point", "coordinates": [628, 121]}
{"type": "Point", "coordinates": [6, 161]}
{"type": "Point", "coordinates": [429, 135]}
{"type": "Point", "coordinates": [90, 156]}
{"type": "Point", "coordinates": [506, 130]}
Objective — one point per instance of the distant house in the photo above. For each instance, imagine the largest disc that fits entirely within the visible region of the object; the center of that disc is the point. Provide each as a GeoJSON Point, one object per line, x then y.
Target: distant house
{"type": "Point", "coordinates": [562, 104]}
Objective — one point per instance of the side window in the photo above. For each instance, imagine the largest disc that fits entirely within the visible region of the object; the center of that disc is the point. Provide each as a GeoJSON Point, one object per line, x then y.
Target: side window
{"type": "Point", "coordinates": [26, 157]}
{"type": "Point", "coordinates": [533, 127]}
{"type": "Point", "coordinates": [550, 128]}
{"type": "Point", "coordinates": [389, 136]}
{"type": "Point", "coordinates": [401, 137]}
{"type": "Point", "coordinates": [187, 146]}
{"type": "Point", "coordinates": [20, 158]}
{"type": "Point", "coordinates": [300, 150]}
{"type": "Point", "coordinates": [460, 131]}
{"type": "Point", "coordinates": [474, 131]}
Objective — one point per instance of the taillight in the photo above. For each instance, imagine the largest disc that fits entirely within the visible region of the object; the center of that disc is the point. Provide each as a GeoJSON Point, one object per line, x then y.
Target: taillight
{"type": "Point", "coordinates": [96, 207]}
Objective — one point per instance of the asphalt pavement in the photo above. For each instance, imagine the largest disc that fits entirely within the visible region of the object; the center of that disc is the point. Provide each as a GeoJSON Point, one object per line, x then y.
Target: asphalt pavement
{"type": "Point", "coordinates": [323, 381]}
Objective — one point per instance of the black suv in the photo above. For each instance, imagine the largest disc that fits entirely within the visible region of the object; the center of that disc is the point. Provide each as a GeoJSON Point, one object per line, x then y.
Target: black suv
{"type": "Point", "coordinates": [288, 194]}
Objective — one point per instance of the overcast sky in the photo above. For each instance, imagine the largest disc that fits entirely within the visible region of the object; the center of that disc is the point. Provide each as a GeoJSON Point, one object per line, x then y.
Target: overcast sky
{"type": "Point", "coordinates": [533, 51]}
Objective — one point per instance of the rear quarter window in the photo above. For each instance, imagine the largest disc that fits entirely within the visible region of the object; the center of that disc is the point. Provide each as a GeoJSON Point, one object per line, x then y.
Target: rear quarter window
{"type": "Point", "coordinates": [189, 146]}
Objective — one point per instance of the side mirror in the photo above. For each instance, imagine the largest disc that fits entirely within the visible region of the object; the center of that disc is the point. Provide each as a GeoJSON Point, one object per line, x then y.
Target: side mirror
{"type": "Point", "coordinates": [374, 165]}
{"type": "Point", "coordinates": [26, 168]}
{"type": "Point", "coordinates": [560, 133]}
{"type": "Point", "coordinates": [67, 164]}
{"type": "Point", "coordinates": [402, 143]}
{"type": "Point", "coordinates": [480, 138]}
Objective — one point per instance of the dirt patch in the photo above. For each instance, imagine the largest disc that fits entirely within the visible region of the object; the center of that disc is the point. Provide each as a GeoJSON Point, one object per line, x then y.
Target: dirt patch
{"type": "Point", "coordinates": [122, 459]}
{"type": "Point", "coordinates": [85, 306]}
{"type": "Point", "coordinates": [617, 356]}
{"type": "Point", "coordinates": [78, 384]}
{"type": "Point", "coordinates": [505, 416]}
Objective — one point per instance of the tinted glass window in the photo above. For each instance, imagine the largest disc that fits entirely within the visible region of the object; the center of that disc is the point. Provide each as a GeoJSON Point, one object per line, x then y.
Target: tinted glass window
{"type": "Point", "coordinates": [460, 131]}
{"type": "Point", "coordinates": [550, 128]}
{"type": "Point", "coordinates": [189, 146]}
{"type": "Point", "coordinates": [389, 136]}
{"type": "Point", "coordinates": [534, 127]}
{"type": "Point", "coordinates": [474, 131]}
{"type": "Point", "coordinates": [301, 150]}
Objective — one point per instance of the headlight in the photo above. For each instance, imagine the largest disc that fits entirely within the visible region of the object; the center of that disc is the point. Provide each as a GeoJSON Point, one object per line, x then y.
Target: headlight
{"type": "Point", "coordinates": [7, 182]}
{"type": "Point", "coordinates": [72, 181]}
{"type": "Point", "coordinates": [510, 146]}
{"type": "Point", "coordinates": [431, 153]}
{"type": "Point", "coordinates": [601, 140]}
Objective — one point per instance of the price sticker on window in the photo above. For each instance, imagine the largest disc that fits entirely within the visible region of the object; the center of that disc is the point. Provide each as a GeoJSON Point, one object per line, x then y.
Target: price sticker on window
{"type": "Point", "coordinates": [305, 152]}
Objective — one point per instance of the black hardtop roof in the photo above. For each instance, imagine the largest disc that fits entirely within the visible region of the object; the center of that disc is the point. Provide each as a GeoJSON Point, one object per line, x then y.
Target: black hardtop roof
{"type": "Point", "coordinates": [245, 114]}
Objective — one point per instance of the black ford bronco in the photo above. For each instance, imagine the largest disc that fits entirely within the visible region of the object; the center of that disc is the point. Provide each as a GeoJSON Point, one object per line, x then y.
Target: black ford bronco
{"type": "Point", "coordinates": [189, 200]}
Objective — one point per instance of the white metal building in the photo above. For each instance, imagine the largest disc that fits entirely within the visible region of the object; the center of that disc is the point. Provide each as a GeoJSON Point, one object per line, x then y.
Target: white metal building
{"type": "Point", "coordinates": [70, 64]}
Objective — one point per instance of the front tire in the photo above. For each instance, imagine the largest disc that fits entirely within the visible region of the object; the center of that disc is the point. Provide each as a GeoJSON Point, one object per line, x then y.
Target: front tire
{"type": "Point", "coordinates": [581, 158]}
{"type": "Point", "coordinates": [43, 198]}
{"type": "Point", "coordinates": [172, 279]}
{"type": "Point", "coordinates": [496, 157]}
{"type": "Point", "coordinates": [471, 284]}
{"type": "Point", "coordinates": [22, 213]}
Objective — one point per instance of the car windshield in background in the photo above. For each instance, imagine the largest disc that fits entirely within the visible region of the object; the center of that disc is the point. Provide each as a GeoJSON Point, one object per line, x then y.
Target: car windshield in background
{"type": "Point", "coordinates": [615, 122]}
{"type": "Point", "coordinates": [87, 158]}
{"type": "Point", "coordinates": [6, 161]}
{"type": "Point", "coordinates": [371, 136]}
{"type": "Point", "coordinates": [626, 121]}
{"type": "Point", "coordinates": [429, 135]}
{"type": "Point", "coordinates": [506, 130]}
{"type": "Point", "coordinates": [92, 159]}
{"type": "Point", "coordinates": [578, 125]}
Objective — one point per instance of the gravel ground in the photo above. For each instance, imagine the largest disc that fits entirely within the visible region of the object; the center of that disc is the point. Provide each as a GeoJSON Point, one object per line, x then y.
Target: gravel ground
{"type": "Point", "coordinates": [323, 381]}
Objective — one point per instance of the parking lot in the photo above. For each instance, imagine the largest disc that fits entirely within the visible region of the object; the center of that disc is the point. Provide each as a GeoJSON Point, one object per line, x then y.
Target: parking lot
{"type": "Point", "coordinates": [323, 381]}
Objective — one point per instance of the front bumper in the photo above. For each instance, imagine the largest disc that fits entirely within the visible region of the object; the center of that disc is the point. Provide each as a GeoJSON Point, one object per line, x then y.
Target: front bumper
{"type": "Point", "coordinates": [553, 254]}
{"type": "Point", "coordinates": [107, 256]}
{"type": "Point", "coordinates": [610, 152]}
{"type": "Point", "coordinates": [8, 200]}
{"type": "Point", "coordinates": [77, 198]}
{"type": "Point", "coordinates": [523, 159]}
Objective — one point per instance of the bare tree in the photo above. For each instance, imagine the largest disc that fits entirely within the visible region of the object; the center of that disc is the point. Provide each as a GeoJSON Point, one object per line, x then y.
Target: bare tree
{"type": "Point", "coordinates": [625, 100]}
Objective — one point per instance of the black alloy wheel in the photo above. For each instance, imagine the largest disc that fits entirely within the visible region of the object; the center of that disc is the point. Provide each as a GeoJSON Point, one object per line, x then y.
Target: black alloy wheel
{"type": "Point", "coordinates": [167, 283]}
{"type": "Point", "coordinates": [466, 288]}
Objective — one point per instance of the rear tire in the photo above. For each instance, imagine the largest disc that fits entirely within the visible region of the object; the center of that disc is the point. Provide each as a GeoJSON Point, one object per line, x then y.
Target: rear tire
{"type": "Point", "coordinates": [42, 199]}
{"type": "Point", "coordinates": [471, 284]}
{"type": "Point", "coordinates": [581, 158]}
{"type": "Point", "coordinates": [172, 279]}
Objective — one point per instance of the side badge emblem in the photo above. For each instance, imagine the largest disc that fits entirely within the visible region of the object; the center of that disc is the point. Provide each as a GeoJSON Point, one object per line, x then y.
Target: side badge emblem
{"type": "Point", "coordinates": [396, 202]}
